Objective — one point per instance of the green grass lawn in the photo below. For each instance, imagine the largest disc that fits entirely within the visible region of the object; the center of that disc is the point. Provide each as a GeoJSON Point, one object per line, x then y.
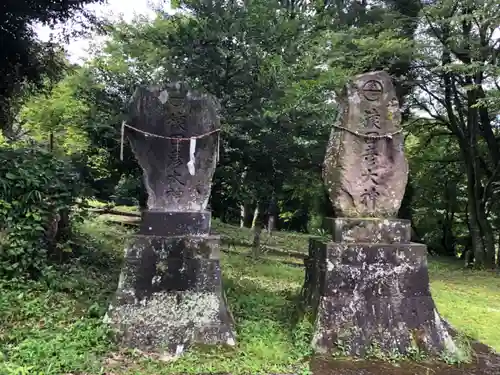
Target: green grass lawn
{"type": "Point", "coordinates": [468, 299]}
{"type": "Point", "coordinates": [55, 327]}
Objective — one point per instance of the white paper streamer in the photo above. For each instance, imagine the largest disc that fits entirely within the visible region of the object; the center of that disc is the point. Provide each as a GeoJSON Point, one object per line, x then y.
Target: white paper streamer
{"type": "Point", "coordinates": [192, 149]}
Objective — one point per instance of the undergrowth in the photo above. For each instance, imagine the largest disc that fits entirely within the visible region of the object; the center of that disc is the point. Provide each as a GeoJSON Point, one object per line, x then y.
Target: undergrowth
{"type": "Point", "coordinates": [36, 190]}
{"type": "Point", "coordinates": [54, 325]}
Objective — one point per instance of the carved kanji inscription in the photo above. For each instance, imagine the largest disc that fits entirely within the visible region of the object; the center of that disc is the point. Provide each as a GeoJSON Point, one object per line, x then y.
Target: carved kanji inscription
{"type": "Point", "coordinates": [177, 170]}
{"type": "Point", "coordinates": [372, 119]}
{"type": "Point", "coordinates": [365, 168]}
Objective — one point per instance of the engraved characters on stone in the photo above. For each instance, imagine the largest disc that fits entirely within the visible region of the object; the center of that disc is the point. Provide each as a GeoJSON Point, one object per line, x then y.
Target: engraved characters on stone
{"type": "Point", "coordinates": [365, 168]}
{"type": "Point", "coordinates": [180, 159]}
{"type": "Point", "coordinates": [372, 90]}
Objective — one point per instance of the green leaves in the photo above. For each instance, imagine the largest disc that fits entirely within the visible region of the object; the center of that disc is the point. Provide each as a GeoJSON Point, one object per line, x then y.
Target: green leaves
{"type": "Point", "coordinates": [34, 187]}
{"type": "Point", "coordinates": [28, 63]}
{"type": "Point", "coordinates": [58, 117]}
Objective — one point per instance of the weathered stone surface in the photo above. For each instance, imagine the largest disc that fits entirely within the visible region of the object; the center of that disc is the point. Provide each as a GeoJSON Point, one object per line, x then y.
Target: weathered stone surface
{"type": "Point", "coordinates": [170, 290]}
{"type": "Point", "coordinates": [369, 230]}
{"type": "Point", "coordinates": [372, 295]}
{"type": "Point", "coordinates": [161, 223]}
{"type": "Point", "coordinates": [170, 294]}
{"type": "Point", "coordinates": [365, 169]}
{"type": "Point", "coordinates": [174, 110]}
{"type": "Point", "coordinates": [368, 289]}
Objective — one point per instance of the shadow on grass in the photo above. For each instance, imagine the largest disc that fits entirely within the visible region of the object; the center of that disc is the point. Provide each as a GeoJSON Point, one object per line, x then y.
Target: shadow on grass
{"type": "Point", "coordinates": [249, 301]}
{"type": "Point", "coordinates": [230, 242]}
{"type": "Point", "coordinates": [263, 257]}
{"type": "Point", "coordinates": [91, 275]}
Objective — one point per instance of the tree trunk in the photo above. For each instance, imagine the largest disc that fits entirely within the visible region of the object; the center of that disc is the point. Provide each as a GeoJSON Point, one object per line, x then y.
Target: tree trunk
{"type": "Point", "coordinates": [448, 240]}
{"type": "Point", "coordinates": [467, 254]}
{"type": "Point", "coordinates": [256, 239]}
{"type": "Point", "coordinates": [272, 212]}
{"type": "Point", "coordinates": [256, 213]}
{"type": "Point", "coordinates": [271, 224]}
{"type": "Point", "coordinates": [243, 206]}
{"type": "Point", "coordinates": [488, 240]}
{"type": "Point", "coordinates": [243, 215]}
{"type": "Point", "coordinates": [473, 202]}
{"type": "Point", "coordinates": [473, 121]}
{"type": "Point", "coordinates": [481, 218]}
{"type": "Point", "coordinates": [498, 254]}
{"type": "Point", "coordinates": [477, 244]}
{"type": "Point", "coordinates": [257, 224]}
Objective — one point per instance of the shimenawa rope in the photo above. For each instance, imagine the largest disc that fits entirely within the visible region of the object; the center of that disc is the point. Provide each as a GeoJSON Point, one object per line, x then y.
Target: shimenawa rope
{"type": "Point", "coordinates": [369, 136]}
{"type": "Point", "coordinates": [192, 139]}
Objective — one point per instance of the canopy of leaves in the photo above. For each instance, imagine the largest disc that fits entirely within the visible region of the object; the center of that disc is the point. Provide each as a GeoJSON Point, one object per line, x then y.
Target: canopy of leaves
{"type": "Point", "coordinates": [25, 60]}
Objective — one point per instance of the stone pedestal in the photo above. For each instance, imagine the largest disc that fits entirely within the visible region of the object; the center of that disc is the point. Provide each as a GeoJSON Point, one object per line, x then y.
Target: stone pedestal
{"type": "Point", "coordinates": [170, 289]}
{"type": "Point", "coordinates": [369, 290]}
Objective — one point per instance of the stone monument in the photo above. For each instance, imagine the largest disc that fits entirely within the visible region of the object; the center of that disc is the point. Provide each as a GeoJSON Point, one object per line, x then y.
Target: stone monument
{"type": "Point", "coordinates": [368, 286]}
{"type": "Point", "coordinates": [170, 289]}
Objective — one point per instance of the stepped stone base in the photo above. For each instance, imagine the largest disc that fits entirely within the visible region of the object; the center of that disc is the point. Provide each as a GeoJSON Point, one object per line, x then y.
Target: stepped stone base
{"type": "Point", "coordinates": [170, 294]}
{"type": "Point", "coordinates": [372, 296]}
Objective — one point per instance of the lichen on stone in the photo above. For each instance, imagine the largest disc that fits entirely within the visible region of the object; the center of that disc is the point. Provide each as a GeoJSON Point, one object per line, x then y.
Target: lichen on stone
{"type": "Point", "coordinates": [166, 319]}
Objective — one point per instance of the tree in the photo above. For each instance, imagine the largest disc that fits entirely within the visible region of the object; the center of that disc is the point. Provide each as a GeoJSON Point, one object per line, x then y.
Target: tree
{"type": "Point", "coordinates": [275, 101]}
{"type": "Point", "coordinates": [457, 75]}
{"type": "Point", "coordinates": [57, 118]}
{"type": "Point", "coordinates": [274, 66]}
{"type": "Point", "coordinates": [27, 62]}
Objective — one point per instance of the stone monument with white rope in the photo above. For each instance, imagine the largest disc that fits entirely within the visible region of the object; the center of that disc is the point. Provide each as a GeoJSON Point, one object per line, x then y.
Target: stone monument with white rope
{"type": "Point", "coordinates": [170, 289]}
{"type": "Point", "coordinates": [368, 285]}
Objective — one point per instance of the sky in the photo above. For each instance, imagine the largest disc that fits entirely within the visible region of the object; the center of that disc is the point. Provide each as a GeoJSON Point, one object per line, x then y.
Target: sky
{"type": "Point", "coordinates": [113, 9]}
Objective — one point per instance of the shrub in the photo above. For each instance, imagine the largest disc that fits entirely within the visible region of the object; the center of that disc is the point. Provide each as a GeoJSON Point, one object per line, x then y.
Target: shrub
{"type": "Point", "coordinates": [37, 192]}
{"type": "Point", "coordinates": [129, 191]}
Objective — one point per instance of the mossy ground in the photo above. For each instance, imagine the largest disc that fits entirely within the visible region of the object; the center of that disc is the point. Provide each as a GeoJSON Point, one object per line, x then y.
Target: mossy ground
{"type": "Point", "coordinates": [55, 326]}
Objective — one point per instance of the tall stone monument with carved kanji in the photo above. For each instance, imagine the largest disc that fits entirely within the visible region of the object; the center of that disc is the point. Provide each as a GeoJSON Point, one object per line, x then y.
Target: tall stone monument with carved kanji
{"type": "Point", "coordinates": [368, 286]}
{"type": "Point", "coordinates": [170, 289]}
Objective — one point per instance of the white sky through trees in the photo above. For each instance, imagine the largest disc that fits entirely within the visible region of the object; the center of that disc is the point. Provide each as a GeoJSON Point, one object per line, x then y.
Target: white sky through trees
{"type": "Point", "coordinates": [77, 49]}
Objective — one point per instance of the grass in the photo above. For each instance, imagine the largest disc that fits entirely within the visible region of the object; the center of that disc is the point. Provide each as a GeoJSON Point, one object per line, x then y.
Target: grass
{"type": "Point", "coordinates": [468, 299]}
{"type": "Point", "coordinates": [260, 295]}
{"type": "Point", "coordinates": [55, 326]}
{"type": "Point", "coordinates": [286, 241]}
{"type": "Point", "coordinates": [52, 326]}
